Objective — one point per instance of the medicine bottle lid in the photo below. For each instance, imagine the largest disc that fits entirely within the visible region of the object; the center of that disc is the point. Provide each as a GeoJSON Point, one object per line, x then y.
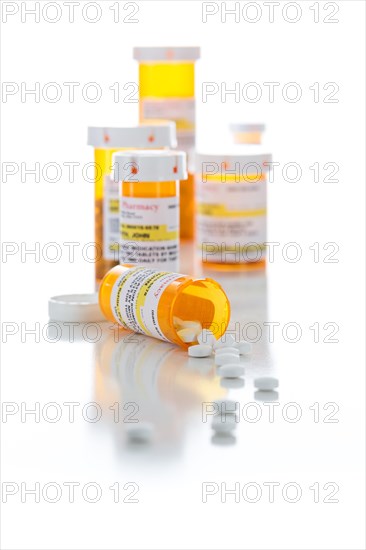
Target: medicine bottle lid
{"type": "Point", "coordinates": [166, 53]}
{"type": "Point", "coordinates": [247, 127]}
{"type": "Point", "coordinates": [82, 308]}
{"type": "Point", "coordinates": [145, 166]}
{"type": "Point", "coordinates": [143, 136]}
{"type": "Point", "coordinates": [244, 159]}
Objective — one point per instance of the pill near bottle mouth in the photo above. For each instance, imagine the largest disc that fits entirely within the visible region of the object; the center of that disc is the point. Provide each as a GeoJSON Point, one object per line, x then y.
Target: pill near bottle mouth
{"type": "Point", "coordinates": [199, 350]}
{"type": "Point", "coordinates": [231, 371]}
{"type": "Point", "coordinates": [187, 335]}
{"type": "Point", "coordinates": [266, 383]}
{"type": "Point", "coordinates": [224, 358]}
{"type": "Point", "coordinates": [226, 341]}
{"type": "Point", "coordinates": [206, 337]}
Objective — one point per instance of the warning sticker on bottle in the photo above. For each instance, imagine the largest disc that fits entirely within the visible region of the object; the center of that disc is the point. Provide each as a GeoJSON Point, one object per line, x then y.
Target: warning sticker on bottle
{"type": "Point", "coordinates": [111, 233]}
{"type": "Point", "coordinates": [231, 217]}
{"type": "Point", "coordinates": [181, 111]}
{"type": "Point", "coordinates": [135, 299]}
{"type": "Point", "coordinates": [150, 231]}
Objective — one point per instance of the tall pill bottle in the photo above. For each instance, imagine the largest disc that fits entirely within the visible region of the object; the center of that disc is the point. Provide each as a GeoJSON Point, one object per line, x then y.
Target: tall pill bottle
{"type": "Point", "coordinates": [247, 133]}
{"type": "Point", "coordinates": [232, 208]}
{"type": "Point", "coordinates": [149, 206]}
{"type": "Point", "coordinates": [106, 141]}
{"type": "Point", "coordinates": [166, 84]}
{"type": "Point", "coordinates": [148, 301]}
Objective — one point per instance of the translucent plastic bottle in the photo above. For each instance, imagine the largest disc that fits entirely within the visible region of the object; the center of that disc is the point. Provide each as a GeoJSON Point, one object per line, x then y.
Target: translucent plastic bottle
{"type": "Point", "coordinates": [149, 206]}
{"type": "Point", "coordinates": [244, 133]}
{"type": "Point", "coordinates": [166, 83]}
{"type": "Point", "coordinates": [148, 301]}
{"type": "Point", "coordinates": [106, 141]}
{"type": "Point", "coordinates": [231, 209]}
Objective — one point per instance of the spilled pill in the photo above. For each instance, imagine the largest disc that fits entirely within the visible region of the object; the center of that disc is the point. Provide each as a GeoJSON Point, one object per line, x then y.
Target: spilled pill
{"type": "Point", "coordinates": [206, 337]}
{"type": "Point", "coordinates": [266, 383]}
{"type": "Point", "coordinates": [224, 358]}
{"type": "Point", "coordinates": [200, 350]}
{"type": "Point", "coordinates": [226, 341]}
{"type": "Point", "coordinates": [231, 370]}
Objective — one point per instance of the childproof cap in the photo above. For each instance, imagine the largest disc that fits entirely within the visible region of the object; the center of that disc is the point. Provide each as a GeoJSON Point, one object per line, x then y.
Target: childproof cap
{"type": "Point", "coordinates": [149, 166]}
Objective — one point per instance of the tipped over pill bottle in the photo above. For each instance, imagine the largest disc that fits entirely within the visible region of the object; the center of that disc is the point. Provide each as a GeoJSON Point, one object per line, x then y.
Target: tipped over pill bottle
{"type": "Point", "coordinates": [232, 209]}
{"type": "Point", "coordinates": [106, 141]}
{"type": "Point", "coordinates": [149, 206]}
{"type": "Point", "coordinates": [247, 134]}
{"type": "Point", "coordinates": [150, 302]}
{"type": "Point", "coordinates": [167, 90]}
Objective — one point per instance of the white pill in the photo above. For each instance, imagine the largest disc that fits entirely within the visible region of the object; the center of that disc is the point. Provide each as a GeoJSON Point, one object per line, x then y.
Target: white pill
{"type": "Point", "coordinates": [224, 358]}
{"type": "Point", "coordinates": [187, 335]}
{"type": "Point", "coordinates": [224, 423]}
{"type": "Point", "coordinates": [231, 370]}
{"type": "Point", "coordinates": [266, 383]}
{"type": "Point", "coordinates": [226, 341]}
{"type": "Point", "coordinates": [206, 337]}
{"type": "Point", "coordinates": [200, 350]}
{"type": "Point", "coordinates": [266, 395]}
{"type": "Point", "coordinates": [226, 406]}
{"type": "Point", "coordinates": [244, 347]}
{"type": "Point", "coordinates": [140, 433]}
{"type": "Point", "coordinates": [194, 325]}
{"type": "Point", "coordinates": [219, 351]}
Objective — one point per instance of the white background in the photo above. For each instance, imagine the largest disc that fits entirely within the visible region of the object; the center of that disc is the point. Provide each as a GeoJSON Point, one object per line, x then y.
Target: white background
{"type": "Point", "coordinates": [170, 391]}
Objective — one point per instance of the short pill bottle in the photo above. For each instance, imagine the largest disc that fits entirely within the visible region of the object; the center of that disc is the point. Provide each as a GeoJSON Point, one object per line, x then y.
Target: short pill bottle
{"type": "Point", "coordinates": [149, 302]}
{"type": "Point", "coordinates": [247, 134]}
{"type": "Point", "coordinates": [149, 206]}
{"type": "Point", "coordinates": [167, 90]}
{"type": "Point", "coordinates": [232, 209]}
{"type": "Point", "coordinates": [106, 141]}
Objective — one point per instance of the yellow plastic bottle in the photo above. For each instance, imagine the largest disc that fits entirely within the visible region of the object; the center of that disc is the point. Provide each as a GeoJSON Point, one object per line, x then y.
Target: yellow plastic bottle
{"type": "Point", "coordinates": [106, 141]}
{"type": "Point", "coordinates": [149, 206]}
{"type": "Point", "coordinates": [247, 133]}
{"type": "Point", "coordinates": [232, 209]}
{"type": "Point", "coordinates": [148, 301]}
{"type": "Point", "coordinates": [166, 84]}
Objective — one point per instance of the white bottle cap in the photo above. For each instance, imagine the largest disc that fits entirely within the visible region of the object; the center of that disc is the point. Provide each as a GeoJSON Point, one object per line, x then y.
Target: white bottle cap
{"type": "Point", "coordinates": [247, 127]}
{"type": "Point", "coordinates": [82, 308]}
{"type": "Point", "coordinates": [139, 166]}
{"type": "Point", "coordinates": [166, 53]}
{"type": "Point", "coordinates": [242, 161]}
{"type": "Point", "coordinates": [144, 136]}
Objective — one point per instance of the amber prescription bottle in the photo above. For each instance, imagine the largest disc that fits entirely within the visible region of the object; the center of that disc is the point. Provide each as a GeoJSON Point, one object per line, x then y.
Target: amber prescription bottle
{"type": "Point", "coordinates": [106, 141]}
{"type": "Point", "coordinates": [231, 208]}
{"type": "Point", "coordinates": [147, 301]}
{"type": "Point", "coordinates": [166, 84]}
{"type": "Point", "coordinates": [149, 206]}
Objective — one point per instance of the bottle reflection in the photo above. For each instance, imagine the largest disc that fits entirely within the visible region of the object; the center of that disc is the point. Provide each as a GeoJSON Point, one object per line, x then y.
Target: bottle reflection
{"type": "Point", "coordinates": [148, 388]}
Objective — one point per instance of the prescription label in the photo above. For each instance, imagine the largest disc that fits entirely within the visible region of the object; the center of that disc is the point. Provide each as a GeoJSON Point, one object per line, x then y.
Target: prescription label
{"type": "Point", "coordinates": [111, 234]}
{"type": "Point", "coordinates": [150, 231]}
{"type": "Point", "coordinates": [135, 299]}
{"type": "Point", "coordinates": [231, 220]}
{"type": "Point", "coordinates": [182, 111]}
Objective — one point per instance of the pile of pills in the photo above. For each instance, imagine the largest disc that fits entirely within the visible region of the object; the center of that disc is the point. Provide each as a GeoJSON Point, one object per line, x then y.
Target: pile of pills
{"type": "Point", "coordinates": [225, 350]}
